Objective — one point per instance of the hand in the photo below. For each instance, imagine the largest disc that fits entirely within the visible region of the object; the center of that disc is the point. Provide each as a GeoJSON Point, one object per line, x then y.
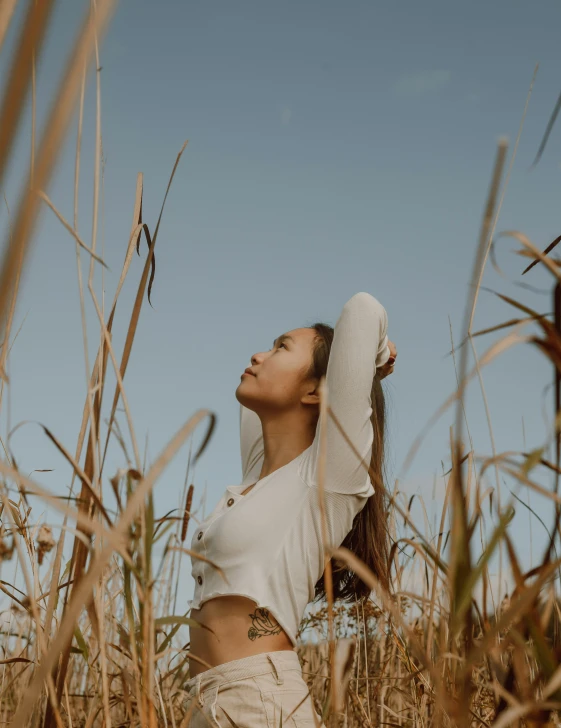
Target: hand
{"type": "Point", "coordinates": [388, 367]}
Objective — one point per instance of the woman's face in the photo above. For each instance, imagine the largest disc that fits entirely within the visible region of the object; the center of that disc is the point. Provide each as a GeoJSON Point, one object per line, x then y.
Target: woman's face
{"type": "Point", "coordinates": [278, 380]}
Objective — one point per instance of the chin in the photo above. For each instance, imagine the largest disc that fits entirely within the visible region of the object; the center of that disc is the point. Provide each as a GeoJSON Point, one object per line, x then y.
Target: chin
{"type": "Point", "coordinates": [239, 395]}
{"type": "Point", "coordinates": [243, 399]}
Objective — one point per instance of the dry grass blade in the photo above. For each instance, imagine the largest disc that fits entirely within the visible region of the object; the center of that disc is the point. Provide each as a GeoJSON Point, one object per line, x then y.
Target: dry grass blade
{"type": "Point", "coordinates": [140, 292]}
{"type": "Point", "coordinates": [344, 659]}
{"type": "Point", "coordinates": [53, 135]}
{"type": "Point", "coordinates": [13, 597]}
{"type": "Point", "coordinates": [231, 721]}
{"type": "Point", "coordinates": [425, 552]}
{"type": "Point", "coordinates": [547, 326]}
{"type": "Point", "coordinates": [545, 657]}
{"type": "Point", "coordinates": [195, 555]}
{"type": "Point", "coordinates": [187, 512]}
{"type": "Point", "coordinates": [368, 577]}
{"type": "Point", "coordinates": [519, 474]}
{"type": "Point", "coordinates": [511, 716]}
{"type": "Point", "coordinates": [488, 227]}
{"type": "Point", "coordinates": [19, 77]}
{"type": "Point", "coordinates": [15, 659]}
{"type": "Point", "coordinates": [79, 472]}
{"type": "Point", "coordinates": [485, 235]}
{"type": "Point", "coordinates": [156, 231]}
{"type": "Point", "coordinates": [71, 230]}
{"type": "Point", "coordinates": [510, 615]}
{"type": "Point", "coordinates": [82, 592]}
{"type": "Point", "coordinates": [88, 525]}
{"type": "Point", "coordinates": [180, 619]}
{"type": "Point", "coordinates": [108, 351]}
{"type": "Point", "coordinates": [466, 588]}
{"type": "Point", "coordinates": [549, 248]}
{"type": "Point", "coordinates": [498, 348]}
{"type": "Point", "coordinates": [499, 327]}
{"type": "Point", "coordinates": [79, 552]}
{"type": "Point", "coordinates": [548, 130]}
{"type": "Point", "coordinates": [534, 251]}
{"type": "Point", "coordinates": [102, 351]}
{"type": "Point", "coordinates": [7, 8]}
{"type": "Point", "coordinates": [554, 683]}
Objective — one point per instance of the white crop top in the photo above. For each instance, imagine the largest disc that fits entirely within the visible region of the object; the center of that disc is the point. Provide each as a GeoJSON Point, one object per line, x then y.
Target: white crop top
{"type": "Point", "coordinates": [268, 542]}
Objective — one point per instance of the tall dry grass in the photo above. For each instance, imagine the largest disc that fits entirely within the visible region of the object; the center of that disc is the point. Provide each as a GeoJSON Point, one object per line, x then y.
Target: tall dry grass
{"type": "Point", "coordinates": [99, 640]}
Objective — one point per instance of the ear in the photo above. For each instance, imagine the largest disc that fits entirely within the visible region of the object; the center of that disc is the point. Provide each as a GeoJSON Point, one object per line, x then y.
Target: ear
{"type": "Point", "coordinates": [311, 393]}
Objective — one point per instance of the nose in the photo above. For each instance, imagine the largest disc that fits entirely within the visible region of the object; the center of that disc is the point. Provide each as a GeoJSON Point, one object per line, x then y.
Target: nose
{"type": "Point", "coordinates": [256, 358]}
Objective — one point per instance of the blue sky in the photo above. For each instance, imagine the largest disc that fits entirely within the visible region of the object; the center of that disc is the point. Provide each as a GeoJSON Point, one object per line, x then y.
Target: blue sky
{"type": "Point", "coordinates": [333, 148]}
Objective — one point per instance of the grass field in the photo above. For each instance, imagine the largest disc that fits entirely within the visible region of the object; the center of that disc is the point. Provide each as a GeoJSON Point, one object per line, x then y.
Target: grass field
{"type": "Point", "coordinates": [95, 640]}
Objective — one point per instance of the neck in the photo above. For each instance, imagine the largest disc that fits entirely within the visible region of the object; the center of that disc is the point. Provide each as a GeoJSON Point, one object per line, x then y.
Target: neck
{"type": "Point", "coordinates": [285, 436]}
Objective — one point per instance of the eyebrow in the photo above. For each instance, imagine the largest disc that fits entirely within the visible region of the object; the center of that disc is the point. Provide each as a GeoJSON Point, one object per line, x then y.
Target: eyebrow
{"type": "Point", "coordinates": [283, 337]}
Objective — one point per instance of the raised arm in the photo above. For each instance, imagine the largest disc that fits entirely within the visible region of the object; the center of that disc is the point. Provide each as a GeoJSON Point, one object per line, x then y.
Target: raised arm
{"type": "Point", "coordinates": [251, 443]}
{"type": "Point", "coordinates": [360, 345]}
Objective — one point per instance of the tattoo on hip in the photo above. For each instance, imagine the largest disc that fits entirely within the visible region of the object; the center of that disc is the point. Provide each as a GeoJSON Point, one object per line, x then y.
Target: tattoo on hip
{"type": "Point", "coordinates": [263, 624]}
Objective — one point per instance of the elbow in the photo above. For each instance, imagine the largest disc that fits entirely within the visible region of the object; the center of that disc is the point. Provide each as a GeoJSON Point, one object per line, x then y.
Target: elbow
{"type": "Point", "coordinates": [368, 305]}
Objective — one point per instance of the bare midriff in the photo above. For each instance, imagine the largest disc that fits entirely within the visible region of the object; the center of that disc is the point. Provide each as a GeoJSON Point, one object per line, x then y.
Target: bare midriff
{"type": "Point", "coordinates": [240, 630]}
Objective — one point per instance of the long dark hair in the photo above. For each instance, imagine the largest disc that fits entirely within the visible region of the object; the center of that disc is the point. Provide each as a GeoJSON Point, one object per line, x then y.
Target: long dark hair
{"type": "Point", "coordinates": [368, 538]}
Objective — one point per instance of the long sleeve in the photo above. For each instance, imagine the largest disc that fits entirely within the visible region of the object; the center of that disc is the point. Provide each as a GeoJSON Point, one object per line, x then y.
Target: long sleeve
{"type": "Point", "coordinates": [360, 346]}
{"type": "Point", "coordinates": [251, 444]}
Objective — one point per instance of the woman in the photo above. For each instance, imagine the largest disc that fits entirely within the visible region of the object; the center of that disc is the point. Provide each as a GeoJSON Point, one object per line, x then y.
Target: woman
{"type": "Point", "coordinates": [265, 534]}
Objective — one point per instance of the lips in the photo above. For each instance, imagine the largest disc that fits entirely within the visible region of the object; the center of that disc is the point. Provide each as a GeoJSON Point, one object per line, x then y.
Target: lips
{"type": "Point", "coordinates": [248, 371]}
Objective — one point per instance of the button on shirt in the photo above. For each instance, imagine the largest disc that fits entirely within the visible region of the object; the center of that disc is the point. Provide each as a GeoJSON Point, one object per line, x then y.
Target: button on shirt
{"type": "Point", "coordinates": [268, 542]}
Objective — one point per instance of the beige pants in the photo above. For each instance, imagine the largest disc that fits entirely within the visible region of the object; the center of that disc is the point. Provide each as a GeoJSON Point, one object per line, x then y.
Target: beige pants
{"type": "Point", "coordinates": [254, 692]}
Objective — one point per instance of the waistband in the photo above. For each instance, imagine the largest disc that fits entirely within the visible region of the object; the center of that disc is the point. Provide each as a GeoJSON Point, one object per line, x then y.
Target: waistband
{"type": "Point", "coordinates": [245, 667]}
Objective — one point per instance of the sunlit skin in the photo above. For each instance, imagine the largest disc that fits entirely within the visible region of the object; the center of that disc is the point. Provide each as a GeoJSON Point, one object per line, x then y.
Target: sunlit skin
{"type": "Point", "coordinates": [287, 403]}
